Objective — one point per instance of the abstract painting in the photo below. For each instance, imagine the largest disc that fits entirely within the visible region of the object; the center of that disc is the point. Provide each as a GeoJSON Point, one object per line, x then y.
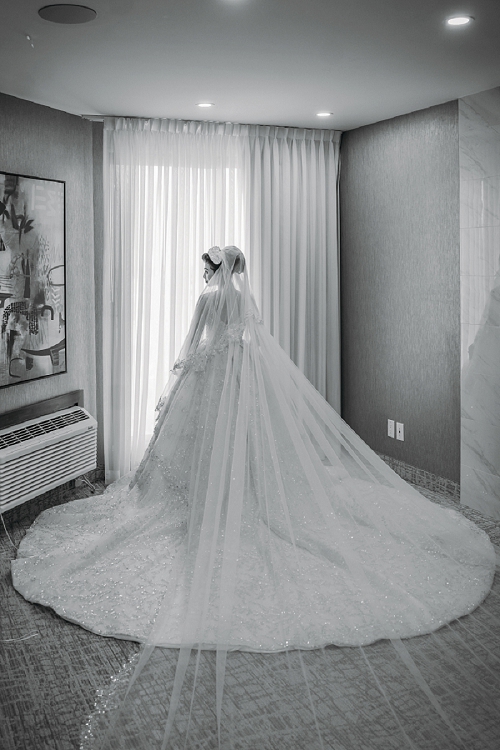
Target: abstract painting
{"type": "Point", "coordinates": [32, 278]}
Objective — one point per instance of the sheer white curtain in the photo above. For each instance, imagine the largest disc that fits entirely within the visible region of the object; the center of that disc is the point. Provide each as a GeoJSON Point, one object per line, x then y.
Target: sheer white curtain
{"type": "Point", "coordinates": [294, 250]}
{"type": "Point", "coordinates": [172, 189]}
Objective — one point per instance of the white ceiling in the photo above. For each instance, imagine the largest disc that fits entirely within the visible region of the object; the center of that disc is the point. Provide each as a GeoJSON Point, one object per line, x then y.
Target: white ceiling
{"type": "Point", "coordinates": [274, 62]}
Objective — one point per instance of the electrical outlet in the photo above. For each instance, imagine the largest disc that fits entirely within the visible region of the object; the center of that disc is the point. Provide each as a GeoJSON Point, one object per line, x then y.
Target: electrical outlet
{"type": "Point", "coordinates": [400, 431]}
{"type": "Point", "coordinates": [390, 427]}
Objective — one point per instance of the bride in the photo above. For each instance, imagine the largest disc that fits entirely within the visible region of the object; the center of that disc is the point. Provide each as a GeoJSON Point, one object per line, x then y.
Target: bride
{"type": "Point", "coordinates": [257, 521]}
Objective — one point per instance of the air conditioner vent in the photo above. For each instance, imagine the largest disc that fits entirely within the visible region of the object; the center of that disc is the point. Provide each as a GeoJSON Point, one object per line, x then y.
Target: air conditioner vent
{"type": "Point", "coordinates": [44, 452]}
{"type": "Point", "coordinates": [43, 427]}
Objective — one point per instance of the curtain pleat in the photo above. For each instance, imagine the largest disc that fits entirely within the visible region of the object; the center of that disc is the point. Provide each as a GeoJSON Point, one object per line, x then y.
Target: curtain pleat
{"type": "Point", "coordinates": [173, 189]}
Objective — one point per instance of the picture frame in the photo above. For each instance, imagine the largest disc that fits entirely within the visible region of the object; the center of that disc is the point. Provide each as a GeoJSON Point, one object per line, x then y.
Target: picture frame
{"type": "Point", "coordinates": [32, 278]}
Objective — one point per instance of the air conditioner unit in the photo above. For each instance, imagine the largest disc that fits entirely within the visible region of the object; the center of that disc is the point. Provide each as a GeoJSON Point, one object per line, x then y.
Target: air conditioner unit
{"type": "Point", "coordinates": [40, 454]}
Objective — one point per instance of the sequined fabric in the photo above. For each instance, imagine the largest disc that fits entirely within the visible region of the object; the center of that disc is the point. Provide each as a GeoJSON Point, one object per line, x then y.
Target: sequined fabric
{"type": "Point", "coordinates": [387, 564]}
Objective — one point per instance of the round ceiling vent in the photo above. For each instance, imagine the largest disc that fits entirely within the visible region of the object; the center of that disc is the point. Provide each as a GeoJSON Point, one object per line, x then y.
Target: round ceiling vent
{"type": "Point", "coordinates": [65, 13]}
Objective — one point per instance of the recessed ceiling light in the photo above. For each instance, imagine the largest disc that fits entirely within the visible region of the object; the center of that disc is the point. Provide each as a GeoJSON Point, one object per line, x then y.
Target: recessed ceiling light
{"type": "Point", "coordinates": [324, 114]}
{"type": "Point", "coordinates": [65, 13]}
{"type": "Point", "coordinates": [459, 20]}
{"type": "Point", "coordinates": [205, 104]}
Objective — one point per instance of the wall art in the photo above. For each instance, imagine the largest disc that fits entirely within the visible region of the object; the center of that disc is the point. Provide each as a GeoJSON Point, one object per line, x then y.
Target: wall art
{"type": "Point", "coordinates": [32, 278]}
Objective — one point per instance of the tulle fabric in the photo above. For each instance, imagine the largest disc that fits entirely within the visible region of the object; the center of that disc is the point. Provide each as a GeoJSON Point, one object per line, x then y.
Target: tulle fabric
{"type": "Point", "coordinates": [272, 532]}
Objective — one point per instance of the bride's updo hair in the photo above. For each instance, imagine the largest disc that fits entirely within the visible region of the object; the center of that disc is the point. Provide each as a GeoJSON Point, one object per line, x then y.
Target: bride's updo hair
{"type": "Point", "coordinates": [230, 255]}
{"type": "Point", "coordinates": [207, 259]}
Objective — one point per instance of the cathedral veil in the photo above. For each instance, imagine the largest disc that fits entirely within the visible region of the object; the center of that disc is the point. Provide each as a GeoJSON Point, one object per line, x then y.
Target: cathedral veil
{"type": "Point", "coordinates": [296, 539]}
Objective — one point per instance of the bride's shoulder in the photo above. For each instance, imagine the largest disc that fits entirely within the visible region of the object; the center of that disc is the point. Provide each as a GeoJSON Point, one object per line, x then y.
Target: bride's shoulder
{"type": "Point", "coordinates": [206, 295]}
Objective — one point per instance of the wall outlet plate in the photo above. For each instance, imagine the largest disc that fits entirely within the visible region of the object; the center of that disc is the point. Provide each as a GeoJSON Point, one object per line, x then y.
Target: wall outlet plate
{"type": "Point", "coordinates": [400, 431]}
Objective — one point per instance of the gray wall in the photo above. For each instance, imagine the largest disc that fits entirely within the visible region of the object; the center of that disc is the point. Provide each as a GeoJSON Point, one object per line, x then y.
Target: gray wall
{"type": "Point", "coordinates": [97, 144]}
{"type": "Point", "coordinates": [400, 282]}
{"type": "Point", "coordinates": [44, 142]}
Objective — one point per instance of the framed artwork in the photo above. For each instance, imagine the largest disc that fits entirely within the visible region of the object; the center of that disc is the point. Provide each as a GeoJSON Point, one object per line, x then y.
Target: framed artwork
{"type": "Point", "coordinates": [32, 278]}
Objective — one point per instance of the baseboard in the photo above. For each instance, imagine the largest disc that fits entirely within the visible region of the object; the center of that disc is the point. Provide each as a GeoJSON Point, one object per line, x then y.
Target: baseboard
{"type": "Point", "coordinates": [423, 478]}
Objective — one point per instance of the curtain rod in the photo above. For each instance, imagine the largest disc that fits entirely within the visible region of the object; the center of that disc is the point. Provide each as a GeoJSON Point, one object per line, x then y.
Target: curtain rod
{"type": "Point", "coordinates": [100, 118]}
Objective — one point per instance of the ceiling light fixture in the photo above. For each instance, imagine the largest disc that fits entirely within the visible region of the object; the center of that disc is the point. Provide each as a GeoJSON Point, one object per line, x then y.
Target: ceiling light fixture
{"type": "Point", "coordinates": [205, 104]}
{"type": "Point", "coordinates": [65, 13]}
{"type": "Point", "coordinates": [459, 20]}
{"type": "Point", "coordinates": [324, 114]}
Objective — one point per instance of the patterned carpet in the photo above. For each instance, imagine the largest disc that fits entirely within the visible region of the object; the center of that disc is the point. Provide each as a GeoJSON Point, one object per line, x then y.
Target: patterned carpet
{"type": "Point", "coordinates": [51, 671]}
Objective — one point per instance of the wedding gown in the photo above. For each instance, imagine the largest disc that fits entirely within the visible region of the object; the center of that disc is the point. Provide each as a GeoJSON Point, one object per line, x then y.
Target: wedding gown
{"type": "Point", "coordinates": [257, 521]}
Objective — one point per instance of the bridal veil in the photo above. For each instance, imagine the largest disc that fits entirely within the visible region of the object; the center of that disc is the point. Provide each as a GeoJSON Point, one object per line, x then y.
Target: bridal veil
{"type": "Point", "coordinates": [284, 547]}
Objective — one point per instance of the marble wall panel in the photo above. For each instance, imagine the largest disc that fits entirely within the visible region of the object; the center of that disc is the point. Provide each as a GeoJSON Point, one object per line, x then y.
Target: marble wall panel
{"type": "Point", "coordinates": [480, 201]}
{"type": "Point", "coordinates": [480, 382]}
{"type": "Point", "coordinates": [481, 446]}
{"type": "Point", "coordinates": [479, 149]}
{"type": "Point", "coordinates": [469, 333]}
{"type": "Point", "coordinates": [479, 133]}
{"type": "Point", "coordinates": [480, 490]}
{"type": "Point", "coordinates": [480, 300]}
{"type": "Point", "coordinates": [480, 250]}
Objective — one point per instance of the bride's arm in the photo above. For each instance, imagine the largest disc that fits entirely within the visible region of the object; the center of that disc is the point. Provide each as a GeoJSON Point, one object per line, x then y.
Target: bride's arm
{"type": "Point", "coordinates": [196, 329]}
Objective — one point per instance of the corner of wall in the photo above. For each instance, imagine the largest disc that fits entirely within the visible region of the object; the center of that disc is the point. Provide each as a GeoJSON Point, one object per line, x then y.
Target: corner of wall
{"type": "Point", "coordinates": [400, 286]}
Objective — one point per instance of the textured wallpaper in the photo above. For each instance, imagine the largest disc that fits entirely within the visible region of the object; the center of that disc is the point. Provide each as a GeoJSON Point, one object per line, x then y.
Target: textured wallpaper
{"type": "Point", "coordinates": [400, 286]}
{"type": "Point", "coordinates": [43, 142]}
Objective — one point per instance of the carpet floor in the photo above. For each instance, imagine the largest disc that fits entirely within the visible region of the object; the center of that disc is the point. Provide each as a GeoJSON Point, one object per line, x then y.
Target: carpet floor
{"type": "Point", "coordinates": [51, 670]}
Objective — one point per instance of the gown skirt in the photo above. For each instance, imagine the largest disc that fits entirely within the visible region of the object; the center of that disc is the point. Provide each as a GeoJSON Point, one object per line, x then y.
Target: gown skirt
{"type": "Point", "coordinates": [389, 564]}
